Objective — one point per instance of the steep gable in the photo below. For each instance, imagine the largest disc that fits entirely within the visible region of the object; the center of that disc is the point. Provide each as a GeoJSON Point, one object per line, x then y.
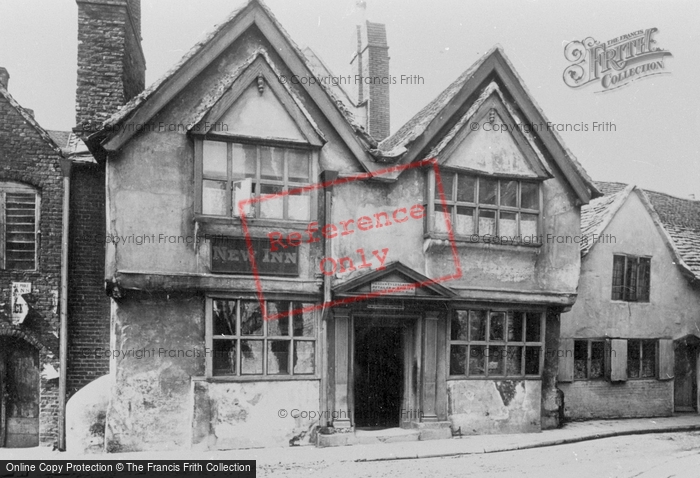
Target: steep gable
{"type": "Point", "coordinates": [490, 139]}
{"type": "Point", "coordinates": [253, 15]}
{"type": "Point", "coordinates": [416, 139]}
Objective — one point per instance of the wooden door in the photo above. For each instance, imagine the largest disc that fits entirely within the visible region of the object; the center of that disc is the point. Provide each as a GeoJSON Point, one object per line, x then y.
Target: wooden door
{"type": "Point", "coordinates": [19, 383]}
{"type": "Point", "coordinates": [685, 385]}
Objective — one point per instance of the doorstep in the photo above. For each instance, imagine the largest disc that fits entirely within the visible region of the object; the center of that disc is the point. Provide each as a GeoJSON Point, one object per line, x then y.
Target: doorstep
{"type": "Point", "coordinates": [352, 436]}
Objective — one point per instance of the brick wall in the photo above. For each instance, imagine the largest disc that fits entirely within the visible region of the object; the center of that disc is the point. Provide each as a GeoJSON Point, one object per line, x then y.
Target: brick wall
{"type": "Point", "coordinates": [26, 157]}
{"type": "Point", "coordinates": [88, 306]}
{"type": "Point", "coordinates": [599, 399]}
{"type": "Point", "coordinates": [111, 66]}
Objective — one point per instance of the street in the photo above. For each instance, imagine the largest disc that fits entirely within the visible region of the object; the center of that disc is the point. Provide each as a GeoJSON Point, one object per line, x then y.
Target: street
{"type": "Point", "coordinates": [640, 456]}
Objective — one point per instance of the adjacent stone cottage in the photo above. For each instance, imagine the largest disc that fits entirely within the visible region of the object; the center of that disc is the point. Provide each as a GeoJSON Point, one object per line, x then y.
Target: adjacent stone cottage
{"type": "Point", "coordinates": [630, 343]}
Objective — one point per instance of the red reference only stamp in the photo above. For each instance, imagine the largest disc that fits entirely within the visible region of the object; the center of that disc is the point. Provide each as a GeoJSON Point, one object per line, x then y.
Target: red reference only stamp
{"type": "Point", "coordinates": [365, 258]}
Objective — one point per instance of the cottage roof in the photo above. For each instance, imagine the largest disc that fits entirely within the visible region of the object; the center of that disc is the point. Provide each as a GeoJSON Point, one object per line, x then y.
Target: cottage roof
{"type": "Point", "coordinates": [419, 135]}
{"type": "Point", "coordinates": [678, 220]}
{"type": "Point", "coordinates": [71, 146]}
{"type": "Point", "coordinates": [410, 143]}
{"type": "Point", "coordinates": [144, 106]}
{"type": "Point", "coordinates": [29, 118]}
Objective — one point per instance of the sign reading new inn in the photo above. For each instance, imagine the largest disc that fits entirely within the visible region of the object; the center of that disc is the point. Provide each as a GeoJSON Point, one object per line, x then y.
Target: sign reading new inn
{"type": "Point", "coordinates": [229, 255]}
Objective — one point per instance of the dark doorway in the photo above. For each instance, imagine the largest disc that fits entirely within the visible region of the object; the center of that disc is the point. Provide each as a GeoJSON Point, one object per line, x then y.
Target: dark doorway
{"type": "Point", "coordinates": [685, 387]}
{"type": "Point", "coordinates": [378, 376]}
{"type": "Point", "coordinates": [19, 394]}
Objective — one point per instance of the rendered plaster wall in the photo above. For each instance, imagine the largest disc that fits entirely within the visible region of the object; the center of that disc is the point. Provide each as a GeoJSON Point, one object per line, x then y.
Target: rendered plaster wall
{"type": "Point", "coordinates": [160, 344]}
{"type": "Point", "coordinates": [551, 267]}
{"type": "Point", "coordinates": [673, 310]}
{"type": "Point", "coordinates": [150, 182]}
{"type": "Point", "coordinates": [494, 406]}
{"type": "Point", "coordinates": [248, 414]}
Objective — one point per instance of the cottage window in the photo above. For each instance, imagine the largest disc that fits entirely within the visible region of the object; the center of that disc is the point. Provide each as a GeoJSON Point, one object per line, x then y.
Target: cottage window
{"type": "Point", "coordinates": [589, 359]}
{"type": "Point", "coordinates": [19, 220]}
{"type": "Point", "coordinates": [232, 172]}
{"type": "Point", "coordinates": [641, 359]}
{"type": "Point", "coordinates": [243, 344]}
{"type": "Point", "coordinates": [631, 278]}
{"type": "Point", "coordinates": [496, 343]}
{"type": "Point", "coordinates": [485, 206]}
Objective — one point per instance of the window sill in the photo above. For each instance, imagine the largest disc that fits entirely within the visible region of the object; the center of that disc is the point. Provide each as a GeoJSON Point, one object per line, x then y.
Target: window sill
{"type": "Point", "coordinates": [207, 222]}
{"type": "Point", "coordinates": [630, 302]}
{"type": "Point", "coordinates": [512, 377]}
{"type": "Point", "coordinates": [480, 242]}
{"type": "Point", "coordinates": [256, 378]}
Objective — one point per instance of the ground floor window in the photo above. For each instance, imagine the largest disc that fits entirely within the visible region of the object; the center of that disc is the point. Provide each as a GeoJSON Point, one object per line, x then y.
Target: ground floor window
{"type": "Point", "coordinates": [589, 359]}
{"type": "Point", "coordinates": [496, 343]}
{"type": "Point", "coordinates": [641, 359]}
{"type": "Point", "coordinates": [243, 344]}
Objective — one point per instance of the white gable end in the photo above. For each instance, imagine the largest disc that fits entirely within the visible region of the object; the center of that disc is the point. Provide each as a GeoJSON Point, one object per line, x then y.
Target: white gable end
{"type": "Point", "coordinates": [490, 149]}
{"type": "Point", "coordinates": [260, 115]}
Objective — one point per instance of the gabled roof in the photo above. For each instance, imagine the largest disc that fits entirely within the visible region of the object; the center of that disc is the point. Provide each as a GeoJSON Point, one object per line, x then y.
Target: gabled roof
{"type": "Point", "coordinates": [596, 215]}
{"type": "Point", "coordinates": [681, 219]}
{"type": "Point", "coordinates": [110, 136]}
{"type": "Point", "coordinates": [677, 219]}
{"type": "Point", "coordinates": [30, 119]}
{"type": "Point", "coordinates": [435, 119]}
{"type": "Point", "coordinates": [72, 146]}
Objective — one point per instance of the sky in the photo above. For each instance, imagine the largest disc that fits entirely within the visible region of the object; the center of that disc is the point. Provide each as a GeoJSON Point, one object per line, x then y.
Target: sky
{"type": "Point", "coordinates": [655, 142]}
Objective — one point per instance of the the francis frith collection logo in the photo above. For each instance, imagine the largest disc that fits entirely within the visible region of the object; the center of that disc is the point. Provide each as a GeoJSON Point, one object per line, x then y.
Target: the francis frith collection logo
{"type": "Point", "coordinates": [615, 63]}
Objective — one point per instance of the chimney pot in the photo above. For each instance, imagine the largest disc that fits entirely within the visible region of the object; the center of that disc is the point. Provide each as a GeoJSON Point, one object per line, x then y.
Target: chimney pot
{"type": "Point", "coordinates": [4, 77]}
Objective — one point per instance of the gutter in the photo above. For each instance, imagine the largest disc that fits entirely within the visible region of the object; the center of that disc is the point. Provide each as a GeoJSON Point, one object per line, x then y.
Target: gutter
{"type": "Point", "coordinates": [66, 165]}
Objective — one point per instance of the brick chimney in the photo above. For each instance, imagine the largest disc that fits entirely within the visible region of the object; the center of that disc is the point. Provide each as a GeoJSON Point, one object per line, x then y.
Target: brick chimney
{"type": "Point", "coordinates": [370, 67]}
{"type": "Point", "coordinates": [4, 77]}
{"type": "Point", "coordinates": [111, 65]}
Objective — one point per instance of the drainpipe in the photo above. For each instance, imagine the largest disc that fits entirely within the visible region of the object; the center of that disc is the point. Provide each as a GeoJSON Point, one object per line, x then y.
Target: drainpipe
{"type": "Point", "coordinates": [63, 334]}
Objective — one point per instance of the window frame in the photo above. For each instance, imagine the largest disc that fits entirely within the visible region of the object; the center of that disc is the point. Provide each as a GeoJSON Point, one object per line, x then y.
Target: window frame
{"type": "Point", "coordinates": [641, 342]}
{"type": "Point", "coordinates": [451, 201]}
{"type": "Point", "coordinates": [231, 216]}
{"type": "Point", "coordinates": [13, 187]}
{"type": "Point", "coordinates": [589, 360]}
{"type": "Point", "coordinates": [623, 291]}
{"type": "Point", "coordinates": [524, 343]}
{"type": "Point", "coordinates": [264, 338]}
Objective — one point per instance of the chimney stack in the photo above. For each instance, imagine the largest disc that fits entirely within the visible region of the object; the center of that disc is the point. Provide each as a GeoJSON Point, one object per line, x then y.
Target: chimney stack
{"type": "Point", "coordinates": [370, 66]}
{"type": "Point", "coordinates": [111, 65]}
{"type": "Point", "coordinates": [4, 77]}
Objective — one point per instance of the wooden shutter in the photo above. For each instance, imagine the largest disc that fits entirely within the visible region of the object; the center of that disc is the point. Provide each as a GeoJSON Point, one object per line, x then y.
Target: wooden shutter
{"type": "Point", "coordinates": [20, 231]}
{"type": "Point", "coordinates": [566, 360]}
{"type": "Point", "coordinates": [666, 359]}
{"type": "Point", "coordinates": [618, 360]}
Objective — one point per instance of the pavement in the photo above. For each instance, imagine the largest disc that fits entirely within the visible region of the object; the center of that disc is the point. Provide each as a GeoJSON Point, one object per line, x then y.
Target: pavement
{"type": "Point", "coordinates": [572, 432]}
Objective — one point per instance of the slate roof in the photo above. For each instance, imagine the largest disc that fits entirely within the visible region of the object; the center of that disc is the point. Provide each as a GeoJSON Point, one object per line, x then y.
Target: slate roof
{"type": "Point", "coordinates": [681, 219]}
{"type": "Point", "coordinates": [128, 109]}
{"type": "Point", "coordinates": [678, 217]}
{"type": "Point", "coordinates": [596, 215]}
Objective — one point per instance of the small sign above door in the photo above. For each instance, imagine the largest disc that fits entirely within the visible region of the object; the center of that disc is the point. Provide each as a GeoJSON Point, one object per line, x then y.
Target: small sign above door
{"type": "Point", "coordinates": [385, 286]}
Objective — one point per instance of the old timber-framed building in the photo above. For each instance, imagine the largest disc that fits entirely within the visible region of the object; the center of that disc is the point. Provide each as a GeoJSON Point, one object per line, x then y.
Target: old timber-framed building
{"type": "Point", "coordinates": [201, 368]}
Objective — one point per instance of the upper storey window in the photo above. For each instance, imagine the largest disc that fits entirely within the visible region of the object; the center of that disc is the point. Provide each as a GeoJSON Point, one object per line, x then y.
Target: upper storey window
{"type": "Point", "coordinates": [19, 221]}
{"type": "Point", "coordinates": [484, 207]}
{"type": "Point", "coordinates": [232, 172]}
